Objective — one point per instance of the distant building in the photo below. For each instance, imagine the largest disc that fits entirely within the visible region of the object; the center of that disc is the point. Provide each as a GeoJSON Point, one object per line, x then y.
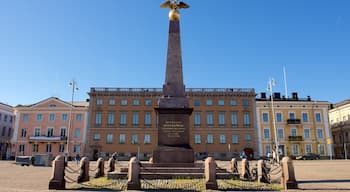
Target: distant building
{"type": "Point", "coordinates": [7, 119]}
{"type": "Point", "coordinates": [302, 125]}
{"type": "Point", "coordinates": [46, 126]}
{"type": "Point", "coordinates": [339, 117]}
{"type": "Point", "coordinates": [123, 120]}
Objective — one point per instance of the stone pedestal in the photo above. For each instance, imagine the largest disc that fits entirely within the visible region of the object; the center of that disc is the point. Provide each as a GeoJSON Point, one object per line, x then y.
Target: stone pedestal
{"type": "Point", "coordinates": [84, 170]}
{"type": "Point", "coordinates": [245, 169]}
{"type": "Point", "coordinates": [288, 180]}
{"type": "Point", "coordinates": [134, 175]}
{"type": "Point", "coordinates": [164, 154]}
{"type": "Point", "coordinates": [262, 172]}
{"type": "Point", "coordinates": [100, 168]}
{"type": "Point", "coordinates": [210, 174]}
{"type": "Point", "coordinates": [57, 180]}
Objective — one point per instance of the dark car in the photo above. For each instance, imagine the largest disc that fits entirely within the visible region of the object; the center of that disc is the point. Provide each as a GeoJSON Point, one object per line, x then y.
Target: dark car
{"type": "Point", "coordinates": [309, 156]}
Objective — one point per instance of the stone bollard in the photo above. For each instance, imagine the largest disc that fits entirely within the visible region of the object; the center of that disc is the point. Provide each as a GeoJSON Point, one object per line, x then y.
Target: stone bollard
{"type": "Point", "coordinates": [245, 169]}
{"type": "Point", "coordinates": [288, 180]}
{"type": "Point", "coordinates": [100, 168]}
{"type": "Point", "coordinates": [57, 180]}
{"type": "Point", "coordinates": [262, 172]}
{"type": "Point", "coordinates": [134, 175]}
{"type": "Point", "coordinates": [84, 170]}
{"type": "Point", "coordinates": [210, 173]}
{"type": "Point", "coordinates": [234, 168]}
{"type": "Point", "coordinates": [111, 165]}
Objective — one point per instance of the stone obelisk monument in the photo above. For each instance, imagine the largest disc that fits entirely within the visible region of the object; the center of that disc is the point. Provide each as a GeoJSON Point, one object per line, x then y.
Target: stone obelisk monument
{"type": "Point", "coordinates": [173, 111]}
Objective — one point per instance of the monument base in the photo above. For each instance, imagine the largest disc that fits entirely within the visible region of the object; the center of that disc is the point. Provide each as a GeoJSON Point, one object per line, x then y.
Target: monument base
{"type": "Point", "coordinates": [173, 155]}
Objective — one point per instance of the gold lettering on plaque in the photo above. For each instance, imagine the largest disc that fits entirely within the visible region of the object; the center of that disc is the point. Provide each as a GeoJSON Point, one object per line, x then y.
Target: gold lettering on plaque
{"type": "Point", "coordinates": [173, 128]}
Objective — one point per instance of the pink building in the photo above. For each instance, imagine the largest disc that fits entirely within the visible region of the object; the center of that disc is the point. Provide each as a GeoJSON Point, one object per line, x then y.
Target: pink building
{"type": "Point", "coordinates": [50, 127]}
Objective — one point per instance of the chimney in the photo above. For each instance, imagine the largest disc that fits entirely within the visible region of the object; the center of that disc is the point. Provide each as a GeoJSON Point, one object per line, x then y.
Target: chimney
{"type": "Point", "coordinates": [277, 95]}
{"type": "Point", "coordinates": [295, 95]}
{"type": "Point", "coordinates": [263, 95]}
{"type": "Point", "coordinates": [309, 98]}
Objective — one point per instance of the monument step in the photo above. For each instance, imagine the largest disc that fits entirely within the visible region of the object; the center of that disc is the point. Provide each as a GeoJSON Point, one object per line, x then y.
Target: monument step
{"type": "Point", "coordinates": [115, 175]}
{"type": "Point", "coordinates": [174, 170]}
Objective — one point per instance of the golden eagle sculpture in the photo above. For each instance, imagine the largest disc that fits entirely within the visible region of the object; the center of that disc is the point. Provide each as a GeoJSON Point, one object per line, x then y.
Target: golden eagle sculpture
{"type": "Point", "coordinates": [174, 6]}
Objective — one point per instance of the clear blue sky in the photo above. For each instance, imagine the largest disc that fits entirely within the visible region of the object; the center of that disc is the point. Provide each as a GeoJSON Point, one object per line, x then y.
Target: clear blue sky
{"type": "Point", "coordinates": [122, 43]}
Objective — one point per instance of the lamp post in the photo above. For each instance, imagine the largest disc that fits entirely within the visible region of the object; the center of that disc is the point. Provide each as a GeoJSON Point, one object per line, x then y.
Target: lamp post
{"type": "Point", "coordinates": [72, 84]}
{"type": "Point", "coordinates": [270, 85]}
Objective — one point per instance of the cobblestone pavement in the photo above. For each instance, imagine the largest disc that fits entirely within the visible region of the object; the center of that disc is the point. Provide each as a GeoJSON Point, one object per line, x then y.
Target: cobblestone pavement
{"type": "Point", "coordinates": [321, 175]}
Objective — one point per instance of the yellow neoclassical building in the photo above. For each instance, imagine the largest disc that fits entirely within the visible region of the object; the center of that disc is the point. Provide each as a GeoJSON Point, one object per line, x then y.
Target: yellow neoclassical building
{"type": "Point", "coordinates": [301, 125]}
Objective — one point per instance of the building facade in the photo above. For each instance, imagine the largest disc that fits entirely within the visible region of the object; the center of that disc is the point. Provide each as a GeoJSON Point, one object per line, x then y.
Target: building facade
{"type": "Point", "coordinates": [301, 125]}
{"type": "Point", "coordinates": [50, 127]}
{"type": "Point", "coordinates": [339, 117]}
{"type": "Point", "coordinates": [7, 119]}
{"type": "Point", "coordinates": [123, 120]}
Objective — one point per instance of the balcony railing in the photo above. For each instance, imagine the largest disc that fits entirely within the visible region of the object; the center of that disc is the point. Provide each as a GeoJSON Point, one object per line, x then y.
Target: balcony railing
{"type": "Point", "coordinates": [295, 138]}
{"type": "Point", "coordinates": [293, 121]}
{"type": "Point", "coordinates": [47, 138]}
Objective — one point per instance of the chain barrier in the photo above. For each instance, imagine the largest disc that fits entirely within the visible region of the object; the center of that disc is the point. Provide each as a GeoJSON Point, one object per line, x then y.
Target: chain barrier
{"type": "Point", "coordinates": [71, 170]}
{"type": "Point", "coordinates": [70, 180]}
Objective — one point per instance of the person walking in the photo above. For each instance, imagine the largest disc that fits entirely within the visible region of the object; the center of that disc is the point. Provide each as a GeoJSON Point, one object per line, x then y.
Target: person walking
{"type": "Point", "coordinates": [77, 158]}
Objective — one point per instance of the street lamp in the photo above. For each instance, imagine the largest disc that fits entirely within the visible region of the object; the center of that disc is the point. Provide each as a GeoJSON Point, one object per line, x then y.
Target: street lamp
{"type": "Point", "coordinates": [270, 85]}
{"type": "Point", "coordinates": [72, 84]}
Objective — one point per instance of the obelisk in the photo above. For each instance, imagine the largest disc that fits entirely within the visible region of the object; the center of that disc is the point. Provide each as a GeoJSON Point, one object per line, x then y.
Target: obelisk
{"type": "Point", "coordinates": [173, 111]}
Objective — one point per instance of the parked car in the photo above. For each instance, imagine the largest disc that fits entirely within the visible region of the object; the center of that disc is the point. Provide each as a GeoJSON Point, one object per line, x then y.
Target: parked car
{"type": "Point", "coordinates": [308, 156]}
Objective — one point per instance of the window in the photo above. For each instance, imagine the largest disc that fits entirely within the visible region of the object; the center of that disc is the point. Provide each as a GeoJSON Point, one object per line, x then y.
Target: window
{"type": "Point", "coordinates": [246, 119]}
{"type": "Point", "coordinates": [148, 102]}
{"type": "Point", "coordinates": [305, 117]}
{"type": "Point", "coordinates": [318, 117]}
{"type": "Point", "coordinates": [37, 132]}
{"type": "Point", "coordinates": [24, 132]}
{"type": "Point", "coordinates": [234, 138]}
{"type": "Point", "coordinates": [148, 118]}
{"type": "Point", "coordinates": [221, 118]}
{"type": "Point", "coordinates": [64, 117]}
{"type": "Point", "coordinates": [321, 149]}
{"type": "Point", "coordinates": [234, 121]}
{"type": "Point", "coordinates": [197, 102]}
{"type": "Point", "coordinates": [209, 102]}
{"type": "Point", "coordinates": [0, 116]}
{"type": "Point", "coordinates": [52, 117]}
{"type": "Point", "coordinates": [221, 102]}
{"type": "Point", "coordinates": [63, 132]}
{"type": "Point", "coordinates": [280, 133]}
{"type": "Point", "coordinates": [268, 149]}
{"type": "Point", "coordinates": [122, 138]}
{"type": "Point", "coordinates": [247, 137]}
{"type": "Point", "coordinates": [210, 120]}
{"type": "Point", "coordinates": [279, 117]}
{"type": "Point", "coordinates": [307, 133]}
{"type": "Point", "coordinates": [197, 138]}
{"type": "Point", "coordinates": [49, 132]}
{"type": "Point", "coordinates": [222, 138]}
{"type": "Point", "coordinates": [25, 117]}
{"type": "Point", "coordinates": [48, 148]}
{"type": "Point", "coordinates": [308, 148]}
{"type": "Point", "coordinates": [35, 147]}
{"type": "Point", "coordinates": [135, 118]}
{"type": "Point", "coordinates": [77, 133]}
{"type": "Point", "coordinates": [53, 105]}
{"type": "Point", "coordinates": [78, 117]}
{"type": "Point", "coordinates": [98, 118]}
{"type": "Point", "coordinates": [109, 139]}
{"type": "Point", "coordinates": [135, 102]}
{"type": "Point", "coordinates": [97, 136]}
{"type": "Point", "coordinates": [110, 120]}
{"type": "Point", "coordinates": [210, 138]}
{"type": "Point", "coordinates": [124, 102]}
{"type": "Point", "coordinates": [39, 117]}
{"type": "Point", "coordinates": [9, 133]}
{"type": "Point", "coordinates": [76, 149]}
{"type": "Point", "coordinates": [147, 138]}
{"type": "Point", "coordinates": [134, 139]}
{"type": "Point", "coordinates": [319, 133]}
{"type": "Point", "coordinates": [197, 118]}
{"type": "Point", "coordinates": [295, 149]}
{"type": "Point", "coordinates": [99, 102]}
{"type": "Point", "coordinates": [3, 131]}
{"type": "Point", "coordinates": [21, 148]}
{"type": "Point", "coordinates": [5, 118]}
{"type": "Point", "coordinates": [61, 148]}
{"type": "Point", "coordinates": [291, 115]}
{"type": "Point", "coordinates": [111, 102]}
{"type": "Point", "coordinates": [265, 117]}
{"type": "Point", "coordinates": [245, 102]}
{"type": "Point", "coordinates": [122, 118]}
{"type": "Point", "coordinates": [293, 132]}
{"type": "Point", "coordinates": [266, 133]}
{"type": "Point", "coordinates": [233, 102]}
